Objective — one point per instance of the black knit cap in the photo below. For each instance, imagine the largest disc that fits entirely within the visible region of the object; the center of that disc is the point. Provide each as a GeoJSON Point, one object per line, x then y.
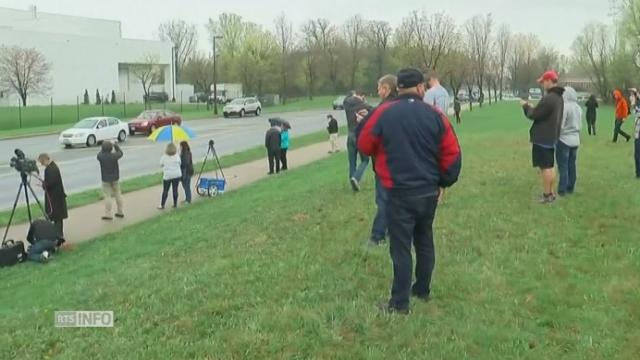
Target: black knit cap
{"type": "Point", "coordinates": [409, 78]}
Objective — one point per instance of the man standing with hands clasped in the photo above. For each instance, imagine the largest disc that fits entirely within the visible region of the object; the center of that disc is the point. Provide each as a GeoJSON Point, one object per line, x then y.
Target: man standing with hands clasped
{"type": "Point", "coordinates": [545, 131]}
{"type": "Point", "coordinates": [416, 152]}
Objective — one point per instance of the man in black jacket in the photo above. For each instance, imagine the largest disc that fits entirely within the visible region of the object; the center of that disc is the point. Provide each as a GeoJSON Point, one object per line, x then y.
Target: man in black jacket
{"type": "Point", "coordinates": [416, 153]}
{"type": "Point", "coordinates": [353, 105]}
{"type": "Point", "coordinates": [545, 131]}
{"type": "Point", "coordinates": [55, 200]}
{"type": "Point", "coordinates": [333, 130]}
{"type": "Point", "coordinates": [272, 142]}
{"type": "Point", "coordinates": [108, 157]}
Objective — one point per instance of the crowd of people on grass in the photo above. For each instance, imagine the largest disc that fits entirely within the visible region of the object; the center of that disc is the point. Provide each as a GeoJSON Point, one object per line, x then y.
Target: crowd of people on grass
{"type": "Point", "coordinates": [415, 156]}
{"type": "Point", "coordinates": [555, 132]}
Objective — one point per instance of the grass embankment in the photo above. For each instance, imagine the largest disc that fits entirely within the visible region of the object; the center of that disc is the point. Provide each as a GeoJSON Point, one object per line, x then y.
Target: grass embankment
{"type": "Point", "coordinates": [279, 270]}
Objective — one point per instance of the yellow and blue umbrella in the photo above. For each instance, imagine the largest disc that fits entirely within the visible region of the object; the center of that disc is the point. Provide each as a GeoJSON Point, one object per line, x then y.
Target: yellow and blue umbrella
{"type": "Point", "coordinates": [172, 133]}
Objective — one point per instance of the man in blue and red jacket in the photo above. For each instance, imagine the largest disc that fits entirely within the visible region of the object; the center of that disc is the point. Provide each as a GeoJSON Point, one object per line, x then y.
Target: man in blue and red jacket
{"type": "Point", "coordinates": [417, 153]}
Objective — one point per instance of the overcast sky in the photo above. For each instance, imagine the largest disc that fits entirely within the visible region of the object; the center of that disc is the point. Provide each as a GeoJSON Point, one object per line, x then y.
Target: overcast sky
{"type": "Point", "coordinates": [556, 22]}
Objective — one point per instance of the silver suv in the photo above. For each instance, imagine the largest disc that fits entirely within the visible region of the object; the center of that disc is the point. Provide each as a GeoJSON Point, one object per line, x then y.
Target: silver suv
{"type": "Point", "coordinates": [243, 106]}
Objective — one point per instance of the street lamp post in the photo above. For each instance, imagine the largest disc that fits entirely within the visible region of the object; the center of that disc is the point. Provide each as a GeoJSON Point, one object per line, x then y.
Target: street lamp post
{"type": "Point", "coordinates": [215, 75]}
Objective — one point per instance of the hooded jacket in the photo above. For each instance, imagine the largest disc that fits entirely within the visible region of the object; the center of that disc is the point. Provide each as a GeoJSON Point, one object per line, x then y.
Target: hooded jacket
{"type": "Point", "coordinates": [622, 109]}
{"type": "Point", "coordinates": [352, 105]}
{"type": "Point", "coordinates": [547, 117]}
{"type": "Point", "coordinates": [571, 119]}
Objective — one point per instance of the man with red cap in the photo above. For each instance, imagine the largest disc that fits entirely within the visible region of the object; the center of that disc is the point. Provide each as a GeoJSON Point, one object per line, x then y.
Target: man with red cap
{"type": "Point", "coordinates": [545, 131]}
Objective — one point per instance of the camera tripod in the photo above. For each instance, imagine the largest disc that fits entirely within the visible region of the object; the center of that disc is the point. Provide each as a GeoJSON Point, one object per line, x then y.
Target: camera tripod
{"type": "Point", "coordinates": [26, 186]}
{"type": "Point", "coordinates": [214, 155]}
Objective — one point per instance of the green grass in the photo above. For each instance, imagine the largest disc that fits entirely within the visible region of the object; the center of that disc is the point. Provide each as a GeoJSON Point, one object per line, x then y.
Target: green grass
{"type": "Point", "coordinates": [278, 270]}
{"type": "Point", "coordinates": [145, 181]}
{"type": "Point", "coordinates": [40, 120]}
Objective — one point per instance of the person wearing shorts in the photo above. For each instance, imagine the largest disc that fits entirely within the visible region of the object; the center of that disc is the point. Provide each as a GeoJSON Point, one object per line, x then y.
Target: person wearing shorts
{"type": "Point", "coordinates": [545, 131]}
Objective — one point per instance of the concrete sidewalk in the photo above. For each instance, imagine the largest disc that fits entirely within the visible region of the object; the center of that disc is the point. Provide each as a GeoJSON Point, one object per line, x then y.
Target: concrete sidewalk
{"type": "Point", "coordinates": [84, 223]}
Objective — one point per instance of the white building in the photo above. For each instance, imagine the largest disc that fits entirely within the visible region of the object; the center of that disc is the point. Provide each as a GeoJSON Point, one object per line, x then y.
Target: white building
{"type": "Point", "coordinates": [84, 54]}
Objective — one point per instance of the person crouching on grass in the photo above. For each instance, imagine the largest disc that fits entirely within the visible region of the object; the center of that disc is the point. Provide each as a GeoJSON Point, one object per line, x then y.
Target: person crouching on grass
{"type": "Point", "coordinates": [171, 174]}
{"type": "Point", "coordinates": [545, 131]}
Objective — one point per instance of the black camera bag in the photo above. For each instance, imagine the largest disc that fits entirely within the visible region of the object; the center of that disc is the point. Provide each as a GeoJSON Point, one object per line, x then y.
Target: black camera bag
{"type": "Point", "coordinates": [11, 253]}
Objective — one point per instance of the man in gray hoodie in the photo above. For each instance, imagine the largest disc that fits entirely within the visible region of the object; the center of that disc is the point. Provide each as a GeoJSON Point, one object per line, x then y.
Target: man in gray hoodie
{"type": "Point", "coordinates": [569, 141]}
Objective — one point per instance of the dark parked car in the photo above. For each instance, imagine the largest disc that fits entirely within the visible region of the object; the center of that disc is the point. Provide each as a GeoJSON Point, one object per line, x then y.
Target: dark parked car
{"type": "Point", "coordinates": [199, 98]}
{"type": "Point", "coordinates": [150, 120]}
{"type": "Point", "coordinates": [156, 96]}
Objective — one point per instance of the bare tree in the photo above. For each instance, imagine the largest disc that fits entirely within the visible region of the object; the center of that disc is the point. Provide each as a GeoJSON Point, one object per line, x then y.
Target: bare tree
{"type": "Point", "coordinates": [379, 37]}
{"type": "Point", "coordinates": [184, 38]}
{"type": "Point", "coordinates": [594, 50]}
{"type": "Point", "coordinates": [457, 69]}
{"type": "Point", "coordinates": [284, 38]}
{"type": "Point", "coordinates": [479, 40]}
{"type": "Point", "coordinates": [232, 29]}
{"type": "Point", "coordinates": [503, 46]}
{"type": "Point", "coordinates": [199, 71]}
{"type": "Point", "coordinates": [148, 72]}
{"type": "Point", "coordinates": [430, 37]}
{"type": "Point", "coordinates": [25, 71]}
{"type": "Point", "coordinates": [310, 47]}
{"type": "Point", "coordinates": [354, 30]}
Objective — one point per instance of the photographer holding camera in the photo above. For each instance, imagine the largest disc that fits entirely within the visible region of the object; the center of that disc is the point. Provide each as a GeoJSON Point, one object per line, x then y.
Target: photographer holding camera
{"type": "Point", "coordinates": [55, 200]}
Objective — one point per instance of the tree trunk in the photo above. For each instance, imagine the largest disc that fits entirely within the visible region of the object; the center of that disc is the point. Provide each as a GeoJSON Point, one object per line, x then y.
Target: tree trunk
{"type": "Point", "coordinates": [470, 96]}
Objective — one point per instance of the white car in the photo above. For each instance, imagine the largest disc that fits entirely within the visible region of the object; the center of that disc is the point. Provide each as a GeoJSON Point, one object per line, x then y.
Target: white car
{"type": "Point", "coordinates": [91, 131]}
{"type": "Point", "coordinates": [243, 106]}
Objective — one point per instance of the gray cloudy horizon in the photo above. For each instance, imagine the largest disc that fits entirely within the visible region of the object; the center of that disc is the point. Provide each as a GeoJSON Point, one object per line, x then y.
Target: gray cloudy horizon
{"type": "Point", "coordinates": [556, 23]}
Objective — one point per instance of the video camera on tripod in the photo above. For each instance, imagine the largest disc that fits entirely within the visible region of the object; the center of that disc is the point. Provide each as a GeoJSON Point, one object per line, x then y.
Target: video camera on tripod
{"type": "Point", "coordinates": [22, 164]}
{"type": "Point", "coordinates": [26, 167]}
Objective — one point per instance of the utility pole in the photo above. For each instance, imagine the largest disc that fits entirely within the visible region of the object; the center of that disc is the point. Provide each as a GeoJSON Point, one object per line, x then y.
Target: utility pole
{"type": "Point", "coordinates": [215, 75]}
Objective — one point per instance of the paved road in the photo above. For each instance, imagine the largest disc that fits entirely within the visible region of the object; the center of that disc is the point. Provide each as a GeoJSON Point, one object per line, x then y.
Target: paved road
{"type": "Point", "coordinates": [80, 169]}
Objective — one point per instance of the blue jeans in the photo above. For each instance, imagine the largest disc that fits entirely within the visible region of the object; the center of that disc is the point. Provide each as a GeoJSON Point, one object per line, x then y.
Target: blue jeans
{"type": "Point", "coordinates": [566, 158]}
{"type": "Point", "coordinates": [379, 228]}
{"type": "Point", "coordinates": [186, 185]}
{"type": "Point", "coordinates": [411, 223]}
{"type": "Point", "coordinates": [637, 156]}
{"type": "Point", "coordinates": [356, 171]}
{"type": "Point", "coordinates": [36, 250]}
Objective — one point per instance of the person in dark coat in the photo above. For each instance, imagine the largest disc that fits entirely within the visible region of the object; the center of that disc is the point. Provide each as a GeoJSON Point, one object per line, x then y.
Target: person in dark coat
{"type": "Point", "coordinates": [273, 142]}
{"type": "Point", "coordinates": [457, 108]}
{"type": "Point", "coordinates": [416, 153]}
{"type": "Point", "coordinates": [592, 106]}
{"type": "Point", "coordinates": [55, 200]}
{"type": "Point", "coordinates": [186, 165]}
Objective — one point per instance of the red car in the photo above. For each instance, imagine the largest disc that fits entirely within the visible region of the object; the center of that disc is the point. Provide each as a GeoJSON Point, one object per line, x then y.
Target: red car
{"type": "Point", "coordinates": [150, 120]}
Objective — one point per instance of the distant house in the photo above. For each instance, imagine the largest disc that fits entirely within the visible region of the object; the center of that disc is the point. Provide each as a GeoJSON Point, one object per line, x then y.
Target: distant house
{"type": "Point", "coordinates": [84, 53]}
{"type": "Point", "coordinates": [578, 82]}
